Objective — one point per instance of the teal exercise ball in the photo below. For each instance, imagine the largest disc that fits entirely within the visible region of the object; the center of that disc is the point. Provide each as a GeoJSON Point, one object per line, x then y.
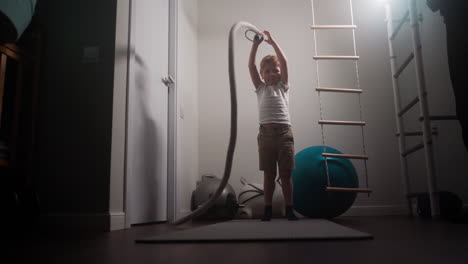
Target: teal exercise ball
{"type": "Point", "coordinates": [310, 180]}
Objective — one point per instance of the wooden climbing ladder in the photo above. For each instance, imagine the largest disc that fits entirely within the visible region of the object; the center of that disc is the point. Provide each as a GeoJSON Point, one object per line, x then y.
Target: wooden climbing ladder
{"type": "Point", "coordinates": [357, 90]}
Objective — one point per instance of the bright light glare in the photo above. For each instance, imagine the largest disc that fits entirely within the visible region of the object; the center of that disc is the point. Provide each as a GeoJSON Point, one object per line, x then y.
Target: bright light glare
{"type": "Point", "coordinates": [385, 2]}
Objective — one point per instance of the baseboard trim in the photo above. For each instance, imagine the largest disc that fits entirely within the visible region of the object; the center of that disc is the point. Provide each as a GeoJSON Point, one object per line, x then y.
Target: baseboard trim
{"type": "Point", "coordinates": [383, 210]}
{"type": "Point", "coordinates": [85, 222]}
{"type": "Point", "coordinates": [359, 210]}
{"type": "Point", "coordinates": [184, 213]}
{"type": "Point", "coordinates": [89, 222]}
{"type": "Point", "coordinates": [117, 221]}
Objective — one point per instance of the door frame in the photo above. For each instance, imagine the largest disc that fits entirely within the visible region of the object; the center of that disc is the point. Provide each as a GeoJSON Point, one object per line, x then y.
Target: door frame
{"type": "Point", "coordinates": [118, 177]}
{"type": "Point", "coordinates": [171, 111]}
{"type": "Point", "coordinates": [172, 114]}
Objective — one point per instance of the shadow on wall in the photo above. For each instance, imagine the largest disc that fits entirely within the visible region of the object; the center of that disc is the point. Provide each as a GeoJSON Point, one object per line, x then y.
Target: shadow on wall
{"type": "Point", "coordinates": [145, 134]}
{"type": "Point", "coordinates": [142, 132]}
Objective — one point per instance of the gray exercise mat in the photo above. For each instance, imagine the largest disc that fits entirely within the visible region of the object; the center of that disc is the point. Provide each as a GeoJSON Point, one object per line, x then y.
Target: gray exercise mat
{"type": "Point", "coordinates": [256, 230]}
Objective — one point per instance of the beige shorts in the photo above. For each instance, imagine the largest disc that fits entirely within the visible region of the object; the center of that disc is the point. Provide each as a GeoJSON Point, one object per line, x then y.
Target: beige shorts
{"type": "Point", "coordinates": [275, 147]}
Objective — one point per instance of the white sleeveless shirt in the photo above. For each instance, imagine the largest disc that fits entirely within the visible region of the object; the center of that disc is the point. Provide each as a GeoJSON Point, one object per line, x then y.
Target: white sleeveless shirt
{"type": "Point", "coordinates": [273, 103]}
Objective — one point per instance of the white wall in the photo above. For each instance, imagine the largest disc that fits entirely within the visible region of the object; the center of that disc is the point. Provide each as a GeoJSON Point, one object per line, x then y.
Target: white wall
{"type": "Point", "coordinates": [289, 23]}
{"type": "Point", "coordinates": [187, 86]}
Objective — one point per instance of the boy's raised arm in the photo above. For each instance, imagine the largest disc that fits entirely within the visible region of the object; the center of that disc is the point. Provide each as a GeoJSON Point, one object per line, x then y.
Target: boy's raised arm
{"type": "Point", "coordinates": [281, 57]}
{"type": "Point", "coordinates": [252, 67]}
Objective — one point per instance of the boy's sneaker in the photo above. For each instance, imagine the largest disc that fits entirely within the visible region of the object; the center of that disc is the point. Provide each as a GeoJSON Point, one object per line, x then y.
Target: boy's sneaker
{"type": "Point", "coordinates": [290, 213]}
{"type": "Point", "coordinates": [267, 214]}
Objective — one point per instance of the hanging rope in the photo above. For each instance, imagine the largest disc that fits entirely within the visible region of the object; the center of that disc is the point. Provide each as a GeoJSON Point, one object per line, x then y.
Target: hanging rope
{"type": "Point", "coordinates": [319, 94]}
{"type": "Point", "coordinates": [358, 86]}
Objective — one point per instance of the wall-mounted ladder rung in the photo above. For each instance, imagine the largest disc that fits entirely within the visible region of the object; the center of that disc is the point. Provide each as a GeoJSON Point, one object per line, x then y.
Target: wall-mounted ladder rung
{"type": "Point", "coordinates": [412, 149]}
{"type": "Point", "coordinates": [402, 22]}
{"type": "Point", "coordinates": [341, 189]}
{"type": "Point", "coordinates": [338, 90]}
{"type": "Point", "coordinates": [336, 57]}
{"type": "Point", "coordinates": [346, 123]}
{"type": "Point", "coordinates": [410, 134]}
{"type": "Point", "coordinates": [403, 66]}
{"type": "Point", "coordinates": [418, 133]}
{"type": "Point", "coordinates": [333, 26]}
{"type": "Point", "coordinates": [408, 106]}
{"type": "Point", "coordinates": [344, 156]}
{"type": "Point", "coordinates": [440, 117]}
{"type": "Point", "coordinates": [444, 117]}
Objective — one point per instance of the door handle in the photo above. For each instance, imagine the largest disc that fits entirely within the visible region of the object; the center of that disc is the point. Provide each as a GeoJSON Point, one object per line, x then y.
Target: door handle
{"type": "Point", "coordinates": [168, 80]}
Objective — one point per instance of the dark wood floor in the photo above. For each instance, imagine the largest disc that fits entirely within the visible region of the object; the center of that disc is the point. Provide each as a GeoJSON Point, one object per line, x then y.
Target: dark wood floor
{"type": "Point", "coordinates": [397, 239]}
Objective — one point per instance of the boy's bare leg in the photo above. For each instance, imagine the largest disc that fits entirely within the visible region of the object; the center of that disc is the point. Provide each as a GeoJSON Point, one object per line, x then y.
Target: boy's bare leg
{"type": "Point", "coordinates": [286, 184]}
{"type": "Point", "coordinates": [268, 189]}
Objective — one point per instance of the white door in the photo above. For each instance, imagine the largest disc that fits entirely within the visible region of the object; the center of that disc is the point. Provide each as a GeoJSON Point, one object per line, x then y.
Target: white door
{"type": "Point", "coordinates": [146, 184]}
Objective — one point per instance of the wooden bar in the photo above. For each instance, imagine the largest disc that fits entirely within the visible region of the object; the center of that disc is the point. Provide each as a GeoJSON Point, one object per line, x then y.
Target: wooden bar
{"type": "Point", "coordinates": [402, 22]}
{"type": "Point", "coordinates": [444, 117]}
{"type": "Point", "coordinates": [403, 66]}
{"type": "Point", "coordinates": [412, 149]}
{"type": "Point", "coordinates": [336, 122]}
{"type": "Point", "coordinates": [336, 57]}
{"type": "Point", "coordinates": [345, 156]}
{"type": "Point", "coordinates": [408, 107]}
{"type": "Point", "coordinates": [341, 189]}
{"type": "Point", "coordinates": [338, 90]}
{"type": "Point", "coordinates": [10, 53]}
{"type": "Point", "coordinates": [440, 118]}
{"type": "Point", "coordinates": [333, 26]}
{"type": "Point", "coordinates": [409, 134]}
{"type": "Point", "coordinates": [418, 133]}
{"type": "Point", "coordinates": [13, 48]}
